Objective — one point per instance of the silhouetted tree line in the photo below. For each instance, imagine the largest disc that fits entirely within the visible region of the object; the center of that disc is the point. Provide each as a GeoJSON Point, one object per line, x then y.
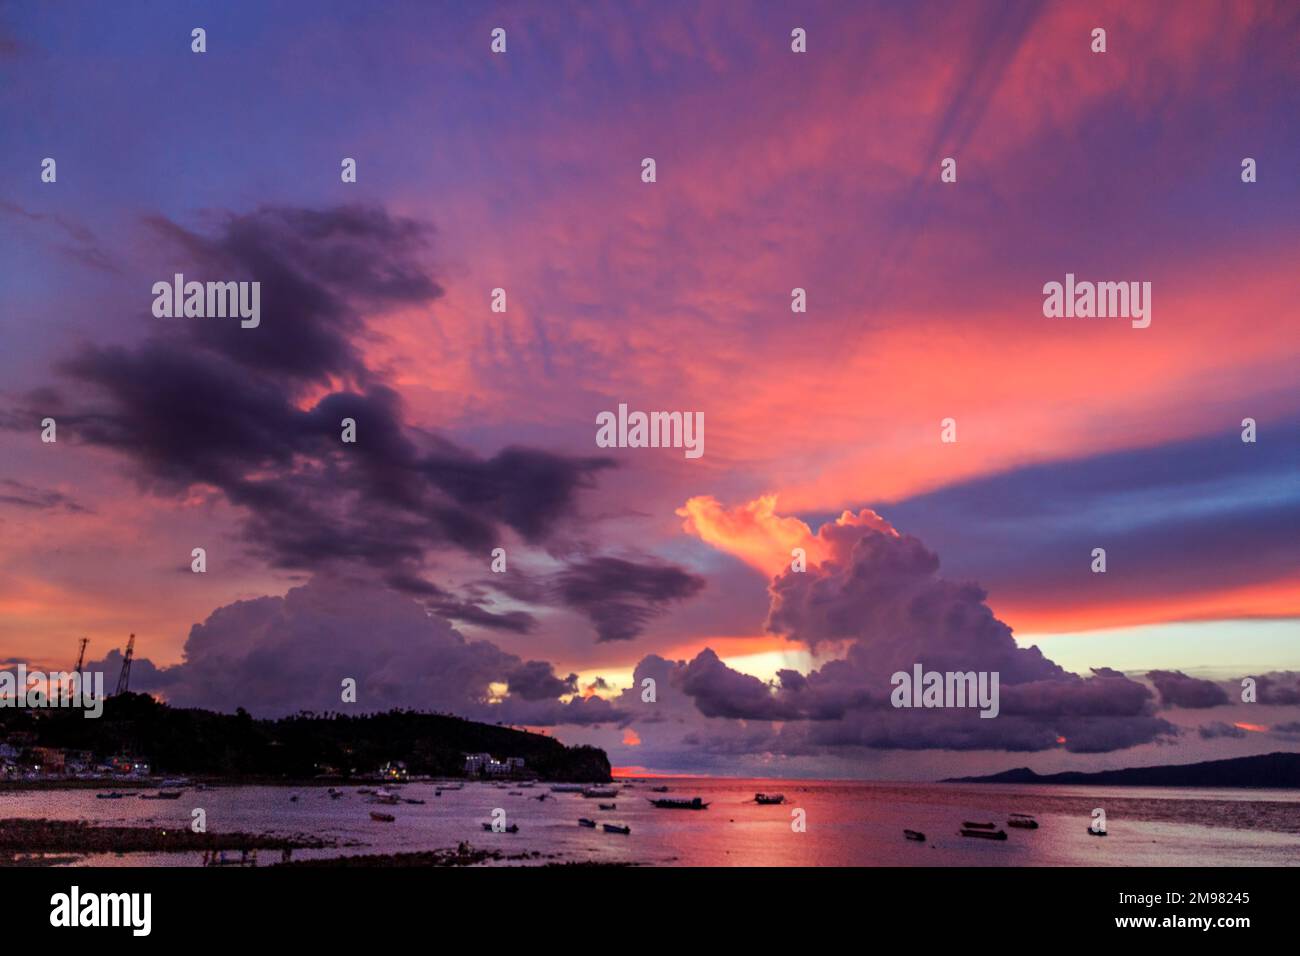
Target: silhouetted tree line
{"type": "Point", "coordinates": [183, 740]}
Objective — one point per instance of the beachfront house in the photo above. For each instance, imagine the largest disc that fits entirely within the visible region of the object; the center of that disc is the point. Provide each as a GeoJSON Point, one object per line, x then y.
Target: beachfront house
{"type": "Point", "coordinates": [487, 765]}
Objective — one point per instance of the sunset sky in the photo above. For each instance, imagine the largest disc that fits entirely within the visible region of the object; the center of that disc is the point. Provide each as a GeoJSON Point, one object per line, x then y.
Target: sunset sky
{"type": "Point", "coordinates": [476, 429]}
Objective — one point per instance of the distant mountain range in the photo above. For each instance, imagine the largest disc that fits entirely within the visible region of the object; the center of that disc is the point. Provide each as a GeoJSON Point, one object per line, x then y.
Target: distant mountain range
{"type": "Point", "coordinates": [1276, 770]}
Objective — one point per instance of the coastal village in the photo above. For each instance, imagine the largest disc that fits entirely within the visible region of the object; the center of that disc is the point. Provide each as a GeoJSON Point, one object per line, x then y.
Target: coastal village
{"type": "Point", "coordinates": [23, 759]}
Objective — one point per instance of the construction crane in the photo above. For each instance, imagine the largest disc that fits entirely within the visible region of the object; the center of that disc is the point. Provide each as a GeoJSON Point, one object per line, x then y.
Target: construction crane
{"type": "Point", "coordinates": [81, 656]}
{"type": "Point", "coordinates": [125, 678]}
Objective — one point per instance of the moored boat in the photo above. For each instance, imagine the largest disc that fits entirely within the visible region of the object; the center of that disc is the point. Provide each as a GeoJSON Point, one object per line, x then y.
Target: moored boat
{"type": "Point", "coordinates": [984, 834]}
{"type": "Point", "coordinates": [382, 817]}
{"type": "Point", "coordinates": [769, 798]}
{"type": "Point", "coordinates": [584, 822]}
{"type": "Point", "coordinates": [616, 828]}
{"type": "Point", "coordinates": [110, 796]}
{"type": "Point", "coordinates": [591, 792]}
{"type": "Point", "coordinates": [679, 803]}
{"type": "Point", "coordinates": [609, 806]}
{"type": "Point", "coordinates": [162, 795]}
{"type": "Point", "coordinates": [916, 835]}
{"type": "Point", "coordinates": [1022, 821]}
{"type": "Point", "coordinates": [513, 828]}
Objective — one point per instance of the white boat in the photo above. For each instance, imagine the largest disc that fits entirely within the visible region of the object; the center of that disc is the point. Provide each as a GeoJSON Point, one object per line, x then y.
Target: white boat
{"type": "Point", "coordinates": [591, 792]}
{"type": "Point", "coordinates": [568, 787]}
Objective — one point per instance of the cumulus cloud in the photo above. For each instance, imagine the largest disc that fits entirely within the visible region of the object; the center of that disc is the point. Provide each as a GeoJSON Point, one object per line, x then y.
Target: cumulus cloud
{"type": "Point", "coordinates": [1178, 690]}
{"type": "Point", "coordinates": [279, 655]}
{"type": "Point", "coordinates": [1278, 687]}
{"type": "Point", "coordinates": [877, 593]}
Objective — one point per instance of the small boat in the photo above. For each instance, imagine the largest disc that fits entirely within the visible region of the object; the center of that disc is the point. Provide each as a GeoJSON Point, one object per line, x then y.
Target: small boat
{"type": "Point", "coordinates": [769, 798]}
{"type": "Point", "coordinates": [916, 835]}
{"type": "Point", "coordinates": [591, 792]}
{"type": "Point", "coordinates": [609, 806]}
{"type": "Point", "coordinates": [658, 789]}
{"type": "Point", "coordinates": [513, 828]}
{"type": "Point", "coordinates": [589, 824]}
{"type": "Point", "coordinates": [616, 828]}
{"type": "Point", "coordinates": [365, 790]}
{"type": "Point", "coordinates": [978, 826]}
{"type": "Point", "coordinates": [383, 796]}
{"type": "Point", "coordinates": [679, 803]}
{"type": "Point", "coordinates": [413, 801]}
{"type": "Point", "coordinates": [541, 796]}
{"type": "Point", "coordinates": [1096, 832]}
{"type": "Point", "coordinates": [985, 834]}
{"type": "Point", "coordinates": [382, 817]}
{"type": "Point", "coordinates": [162, 795]}
{"type": "Point", "coordinates": [335, 794]}
{"type": "Point", "coordinates": [569, 788]}
{"type": "Point", "coordinates": [110, 796]}
{"type": "Point", "coordinates": [1022, 821]}
{"type": "Point", "coordinates": [294, 798]}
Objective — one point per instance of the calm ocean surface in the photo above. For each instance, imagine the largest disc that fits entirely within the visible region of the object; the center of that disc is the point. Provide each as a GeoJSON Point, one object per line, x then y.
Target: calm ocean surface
{"type": "Point", "coordinates": [848, 824]}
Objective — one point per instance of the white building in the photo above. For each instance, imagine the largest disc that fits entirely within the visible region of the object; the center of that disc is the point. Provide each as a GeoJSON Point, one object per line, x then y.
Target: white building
{"type": "Point", "coordinates": [476, 764]}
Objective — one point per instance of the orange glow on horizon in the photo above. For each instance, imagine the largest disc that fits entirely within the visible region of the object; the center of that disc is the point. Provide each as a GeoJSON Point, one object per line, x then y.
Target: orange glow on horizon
{"type": "Point", "coordinates": [635, 770]}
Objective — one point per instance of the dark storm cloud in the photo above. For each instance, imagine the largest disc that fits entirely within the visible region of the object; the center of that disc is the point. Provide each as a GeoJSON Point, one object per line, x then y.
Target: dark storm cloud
{"type": "Point", "coordinates": [621, 596]}
{"type": "Point", "coordinates": [720, 691]}
{"type": "Point", "coordinates": [467, 610]}
{"type": "Point", "coordinates": [536, 680]}
{"type": "Point", "coordinates": [207, 403]}
{"type": "Point", "coordinates": [279, 655]}
{"type": "Point", "coordinates": [1178, 690]}
{"type": "Point", "coordinates": [319, 270]}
